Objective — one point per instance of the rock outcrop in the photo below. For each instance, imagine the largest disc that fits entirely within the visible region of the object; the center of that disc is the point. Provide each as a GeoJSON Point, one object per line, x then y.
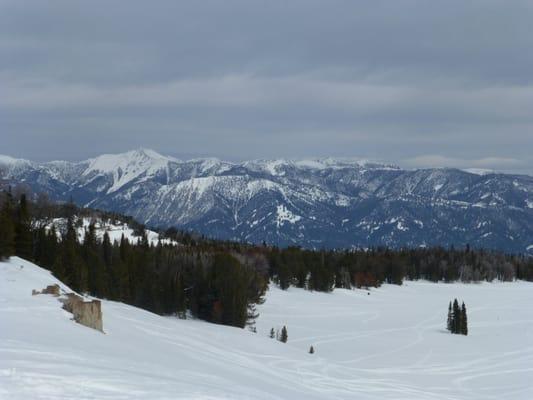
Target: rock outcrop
{"type": "Point", "coordinates": [50, 289]}
{"type": "Point", "coordinates": [88, 313]}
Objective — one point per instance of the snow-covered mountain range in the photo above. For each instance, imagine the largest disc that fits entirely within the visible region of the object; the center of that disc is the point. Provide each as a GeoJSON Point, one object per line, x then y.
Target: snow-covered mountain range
{"type": "Point", "coordinates": [312, 203]}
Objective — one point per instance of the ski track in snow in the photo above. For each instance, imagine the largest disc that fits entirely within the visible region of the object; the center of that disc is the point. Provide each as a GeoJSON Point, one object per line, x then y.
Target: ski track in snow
{"type": "Point", "coordinates": [390, 344]}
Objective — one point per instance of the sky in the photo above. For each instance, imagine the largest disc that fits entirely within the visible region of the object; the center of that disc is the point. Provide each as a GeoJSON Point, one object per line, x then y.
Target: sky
{"type": "Point", "coordinates": [414, 83]}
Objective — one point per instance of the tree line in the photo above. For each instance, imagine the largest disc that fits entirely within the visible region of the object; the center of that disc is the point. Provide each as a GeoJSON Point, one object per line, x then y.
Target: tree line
{"type": "Point", "coordinates": [215, 284]}
{"type": "Point", "coordinates": [325, 270]}
{"type": "Point", "coordinates": [219, 281]}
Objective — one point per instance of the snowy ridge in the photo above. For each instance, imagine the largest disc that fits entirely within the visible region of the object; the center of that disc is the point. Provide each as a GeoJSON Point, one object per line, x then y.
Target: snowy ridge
{"type": "Point", "coordinates": [126, 167]}
{"type": "Point", "coordinates": [8, 161]}
{"type": "Point", "coordinates": [336, 202]}
{"type": "Point", "coordinates": [391, 344]}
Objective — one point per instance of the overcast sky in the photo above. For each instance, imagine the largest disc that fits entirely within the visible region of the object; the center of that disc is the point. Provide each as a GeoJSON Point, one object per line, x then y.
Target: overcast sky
{"type": "Point", "coordinates": [416, 83]}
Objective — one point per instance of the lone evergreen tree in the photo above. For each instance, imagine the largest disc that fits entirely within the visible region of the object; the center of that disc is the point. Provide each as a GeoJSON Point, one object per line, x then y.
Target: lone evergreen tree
{"type": "Point", "coordinates": [311, 350]}
{"type": "Point", "coordinates": [284, 335]}
{"type": "Point", "coordinates": [272, 333]}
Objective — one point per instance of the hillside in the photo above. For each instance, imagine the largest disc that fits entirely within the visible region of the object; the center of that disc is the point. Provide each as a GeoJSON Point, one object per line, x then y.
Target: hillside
{"type": "Point", "coordinates": [390, 344]}
{"type": "Point", "coordinates": [335, 203]}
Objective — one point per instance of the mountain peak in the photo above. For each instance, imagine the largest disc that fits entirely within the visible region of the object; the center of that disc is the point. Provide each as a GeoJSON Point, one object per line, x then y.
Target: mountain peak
{"type": "Point", "coordinates": [140, 158]}
{"type": "Point", "coordinates": [151, 154]}
{"type": "Point", "coordinates": [125, 167]}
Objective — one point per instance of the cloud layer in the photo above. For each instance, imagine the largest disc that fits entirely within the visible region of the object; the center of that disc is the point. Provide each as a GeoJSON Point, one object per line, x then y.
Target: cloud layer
{"type": "Point", "coordinates": [397, 81]}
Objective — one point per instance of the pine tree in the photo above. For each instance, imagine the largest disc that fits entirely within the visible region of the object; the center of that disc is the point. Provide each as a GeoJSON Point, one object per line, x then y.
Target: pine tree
{"type": "Point", "coordinates": [464, 322]}
{"type": "Point", "coordinates": [73, 266]}
{"type": "Point", "coordinates": [449, 322]}
{"type": "Point", "coordinates": [284, 335]}
{"type": "Point", "coordinates": [7, 228]}
{"type": "Point", "coordinates": [107, 249]}
{"type": "Point", "coordinates": [23, 235]}
{"type": "Point", "coordinates": [251, 317]}
{"type": "Point", "coordinates": [96, 268]}
{"type": "Point", "coordinates": [456, 317]}
{"type": "Point", "coordinates": [311, 350]}
{"type": "Point", "coordinates": [272, 333]}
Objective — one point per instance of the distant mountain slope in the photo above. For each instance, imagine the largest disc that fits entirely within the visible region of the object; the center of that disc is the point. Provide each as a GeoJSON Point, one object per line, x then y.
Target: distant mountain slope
{"type": "Point", "coordinates": [312, 203]}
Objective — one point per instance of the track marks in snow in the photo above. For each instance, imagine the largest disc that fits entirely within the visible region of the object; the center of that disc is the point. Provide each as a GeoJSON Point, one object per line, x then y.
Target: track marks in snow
{"type": "Point", "coordinates": [395, 340]}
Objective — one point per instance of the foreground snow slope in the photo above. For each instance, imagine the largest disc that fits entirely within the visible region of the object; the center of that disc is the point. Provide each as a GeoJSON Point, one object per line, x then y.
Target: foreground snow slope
{"type": "Point", "coordinates": [387, 345]}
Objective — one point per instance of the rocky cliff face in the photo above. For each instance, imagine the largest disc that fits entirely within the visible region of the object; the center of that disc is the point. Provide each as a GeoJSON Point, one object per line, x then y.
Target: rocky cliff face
{"type": "Point", "coordinates": [311, 203]}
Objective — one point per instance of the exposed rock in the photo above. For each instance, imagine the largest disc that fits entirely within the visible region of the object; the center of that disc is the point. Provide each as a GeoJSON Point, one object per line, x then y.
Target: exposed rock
{"type": "Point", "coordinates": [88, 313]}
{"type": "Point", "coordinates": [50, 289]}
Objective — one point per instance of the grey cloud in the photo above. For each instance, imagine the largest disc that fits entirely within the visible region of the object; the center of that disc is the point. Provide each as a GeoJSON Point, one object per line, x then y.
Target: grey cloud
{"type": "Point", "coordinates": [392, 80]}
{"type": "Point", "coordinates": [489, 163]}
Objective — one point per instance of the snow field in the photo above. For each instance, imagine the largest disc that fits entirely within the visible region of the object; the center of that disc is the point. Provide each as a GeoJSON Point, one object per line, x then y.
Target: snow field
{"type": "Point", "coordinates": [394, 344]}
{"type": "Point", "coordinates": [390, 344]}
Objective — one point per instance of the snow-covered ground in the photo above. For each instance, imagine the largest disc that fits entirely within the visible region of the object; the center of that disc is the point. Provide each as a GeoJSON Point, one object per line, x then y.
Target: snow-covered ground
{"type": "Point", "coordinates": [390, 344]}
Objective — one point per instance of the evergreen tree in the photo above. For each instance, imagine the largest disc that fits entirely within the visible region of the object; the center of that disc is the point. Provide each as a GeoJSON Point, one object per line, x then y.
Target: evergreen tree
{"type": "Point", "coordinates": [464, 322]}
{"type": "Point", "coordinates": [272, 333]}
{"type": "Point", "coordinates": [449, 322]}
{"type": "Point", "coordinates": [95, 265]}
{"type": "Point", "coordinates": [7, 228]}
{"type": "Point", "coordinates": [251, 317]}
{"type": "Point", "coordinates": [107, 250]}
{"type": "Point", "coordinates": [23, 234]}
{"type": "Point", "coordinates": [73, 266]}
{"type": "Point", "coordinates": [45, 246]}
{"type": "Point", "coordinates": [456, 317]}
{"type": "Point", "coordinates": [284, 335]}
{"type": "Point", "coordinates": [311, 350]}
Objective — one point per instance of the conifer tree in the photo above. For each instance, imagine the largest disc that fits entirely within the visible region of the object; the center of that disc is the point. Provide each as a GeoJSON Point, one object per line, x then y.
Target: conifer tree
{"type": "Point", "coordinates": [449, 322]}
{"type": "Point", "coordinates": [251, 317]}
{"type": "Point", "coordinates": [107, 249]}
{"type": "Point", "coordinates": [311, 350]}
{"type": "Point", "coordinates": [464, 322]}
{"type": "Point", "coordinates": [284, 335]}
{"type": "Point", "coordinates": [456, 317]}
{"type": "Point", "coordinates": [272, 333]}
{"type": "Point", "coordinates": [23, 235]}
{"type": "Point", "coordinates": [7, 228]}
{"type": "Point", "coordinates": [95, 265]}
{"type": "Point", "coordinates": [45, 246]}
{"type": "Point", "coordinates": [73, 266]}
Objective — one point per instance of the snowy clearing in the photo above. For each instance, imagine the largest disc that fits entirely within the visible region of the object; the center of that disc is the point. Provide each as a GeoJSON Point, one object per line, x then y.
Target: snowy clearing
{"type": "Point", "coordinates": [114, 230]}
{"type": "Point", "coordinates": [390, 344]}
